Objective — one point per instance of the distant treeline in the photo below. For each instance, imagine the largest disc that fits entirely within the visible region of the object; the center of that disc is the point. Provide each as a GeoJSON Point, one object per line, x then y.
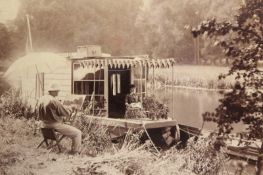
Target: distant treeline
{"type": "Point", "coordinates": [160, 28]}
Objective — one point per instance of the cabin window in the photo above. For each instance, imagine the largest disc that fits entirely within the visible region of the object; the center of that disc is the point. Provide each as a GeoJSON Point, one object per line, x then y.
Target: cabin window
{"type": "Point", "coordinates": [89, 81]}
{"type": "Point", "coordinates": [139, 80]}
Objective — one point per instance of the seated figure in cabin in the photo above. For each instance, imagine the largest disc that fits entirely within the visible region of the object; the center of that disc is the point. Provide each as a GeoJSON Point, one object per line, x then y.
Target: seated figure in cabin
{"type": "Point", "coordinates": [51, 112]}
{"type": "Point", "coordinates": [134, 107]}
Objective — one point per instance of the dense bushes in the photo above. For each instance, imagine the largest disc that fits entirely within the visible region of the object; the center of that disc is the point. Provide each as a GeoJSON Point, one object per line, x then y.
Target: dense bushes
{"type": "Point", "coordinates": [12, 105]}
{"type": "Point", "coordinates": [95, 136]}
{"type": "Point", "coordinates": [151, 109]}
{"type": "Point", "coordinates": [202, 157]}
{"type": "Point", "coordinates": [198, 157]}
{"type": "Point", "coordinates": [155, 109]}
{"type": "Point", "coordinates": [4, 86]}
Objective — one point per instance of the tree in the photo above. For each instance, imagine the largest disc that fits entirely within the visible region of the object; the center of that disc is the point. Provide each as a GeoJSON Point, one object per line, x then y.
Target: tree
{"type": "Point", "coordinates": [242, 41]}
{"type": "Point", "coordinates": [59, 25]}
{"type": "Point", "coordinates": [5, 42]}
{"type": "Point", "coordinates": [164, 23]}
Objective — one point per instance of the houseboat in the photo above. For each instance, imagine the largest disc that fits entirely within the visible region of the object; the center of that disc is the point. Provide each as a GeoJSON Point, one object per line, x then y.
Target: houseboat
{"type": "Point", "coordinates": [106, 80]}
{"type": "Point", "coordinates": [102, 79]}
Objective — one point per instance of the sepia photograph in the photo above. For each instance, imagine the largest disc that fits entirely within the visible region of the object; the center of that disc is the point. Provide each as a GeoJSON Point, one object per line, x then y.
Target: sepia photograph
{"type": "Point", "coordinates": [131, 87]}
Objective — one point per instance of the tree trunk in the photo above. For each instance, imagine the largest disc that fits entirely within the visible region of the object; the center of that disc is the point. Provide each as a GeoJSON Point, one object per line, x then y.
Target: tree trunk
{"type": "Point", "coordinates": [227, 61]}
{"type": "Point", "coordinates": [259, 162]}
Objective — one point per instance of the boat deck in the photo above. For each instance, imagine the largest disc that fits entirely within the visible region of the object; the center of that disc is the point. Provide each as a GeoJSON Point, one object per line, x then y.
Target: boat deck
{"type": "Point", "coordinates": [246, 152]}
{"type": "Point", "coordinates": [135, 124]}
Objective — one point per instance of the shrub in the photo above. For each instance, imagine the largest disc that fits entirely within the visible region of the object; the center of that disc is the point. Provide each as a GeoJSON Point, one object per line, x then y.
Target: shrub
{"type": "Point", "coordinates": [199, 157]}
{"type": "Point", "coordinates": [155, 109]}
{"type": "Point", "coordinates": [11, 104]}
{"type": "Point", "coordinates": [4, 86]}
{"type": "Point", "coordinates": [202, 158]}
{"type": "Point", "coordinates": [130, 159]}
{"type": "Point", "coordinates": [95, 135]}
{"type": "Point", "coordinates": [152, 109]}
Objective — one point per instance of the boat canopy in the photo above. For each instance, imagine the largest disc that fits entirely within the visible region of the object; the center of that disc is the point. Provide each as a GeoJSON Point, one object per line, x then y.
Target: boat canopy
{"type": "Point", "coordinates": [106, 80]}
{"type": "Point", "coordinates": [122, 62]}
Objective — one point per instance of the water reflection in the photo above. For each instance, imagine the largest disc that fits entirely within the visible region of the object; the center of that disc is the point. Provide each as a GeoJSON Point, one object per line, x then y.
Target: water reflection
{"type": "Point", "coordinates": [189, 105]}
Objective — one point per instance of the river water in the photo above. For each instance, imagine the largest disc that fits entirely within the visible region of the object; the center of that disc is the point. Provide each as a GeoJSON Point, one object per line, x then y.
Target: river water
{"type": "Point", "coordinates": [190, 104]}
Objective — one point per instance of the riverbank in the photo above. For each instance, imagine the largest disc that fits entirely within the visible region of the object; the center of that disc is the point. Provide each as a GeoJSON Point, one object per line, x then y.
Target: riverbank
{"type": "Point", "coordinates": [194, 76]}
{"type": "Point", "coordinates": [195, 88]}
{"type": "Point", "coordinates": [19, 154]}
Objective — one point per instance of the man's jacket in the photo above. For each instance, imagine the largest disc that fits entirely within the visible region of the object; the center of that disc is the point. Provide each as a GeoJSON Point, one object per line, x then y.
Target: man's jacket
{"type": "Point", "coordinates": [51, 110]}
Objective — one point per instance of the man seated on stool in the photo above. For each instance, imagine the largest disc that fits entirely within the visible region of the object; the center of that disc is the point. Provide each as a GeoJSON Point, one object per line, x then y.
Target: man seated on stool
{"type": "Point", "coordinates": [51, 113]}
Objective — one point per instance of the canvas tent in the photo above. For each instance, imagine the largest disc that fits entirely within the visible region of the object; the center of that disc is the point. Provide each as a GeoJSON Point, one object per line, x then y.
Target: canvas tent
{"type": "Point", "coordinates": [34, 72]}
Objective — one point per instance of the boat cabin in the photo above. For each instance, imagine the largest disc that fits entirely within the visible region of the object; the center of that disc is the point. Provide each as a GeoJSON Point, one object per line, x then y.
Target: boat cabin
{"type": "Point", "coordinates": [106, 81]}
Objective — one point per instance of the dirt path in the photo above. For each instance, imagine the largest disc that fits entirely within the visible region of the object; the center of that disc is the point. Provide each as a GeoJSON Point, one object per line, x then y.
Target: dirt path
{"type": "Point", "coordinates": [18, 153]}
{"type": "Point", "coordinates": [29, 160]}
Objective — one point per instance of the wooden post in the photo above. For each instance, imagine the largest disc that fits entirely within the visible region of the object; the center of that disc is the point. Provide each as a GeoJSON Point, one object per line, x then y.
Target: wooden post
{"type": "Point", "coordinates": [173, 90]}
{"type": "Point", "coordinates": [165, 82]}
{"type": "Point", "coordinates": [82, 87]}
{"type": "Point", "coordinates": [106, 86]}
{"type": "Point", "coordinates": [43, 85]}
{"type": "Point", "coordinates": [29, 33]}
{"type": "Point", "coordinates": [153, 80]}
{"type": "Point", "coordinates": [141, 80]}
{"type": "Point", "coordinates": [145, 83]}
{"type": "Point", "coordinates": [198, 49]}
{"type": "Point", "coordinates": [94, 91]}
{"type": "Point", "coordinates": [72, 81]}
{"type": "Point", "coordinates": [195, 59]}
{"type": "Point", "coordinates": [259, 161]}
{"type": "Point", "coordinates": [36, 87]}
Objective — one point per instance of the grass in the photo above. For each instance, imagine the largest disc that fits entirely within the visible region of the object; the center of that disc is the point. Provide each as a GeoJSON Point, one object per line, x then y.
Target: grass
{"type": "Point", "coordinates": [194, 76]}
{"type": "Point", "coordinates": [20, 135]}
{"type": "Point", "coordinates": [19, 154]}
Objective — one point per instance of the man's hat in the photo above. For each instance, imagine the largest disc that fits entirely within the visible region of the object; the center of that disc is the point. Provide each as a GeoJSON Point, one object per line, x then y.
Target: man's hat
{"type": "Point", "coordinates": [54, 87]}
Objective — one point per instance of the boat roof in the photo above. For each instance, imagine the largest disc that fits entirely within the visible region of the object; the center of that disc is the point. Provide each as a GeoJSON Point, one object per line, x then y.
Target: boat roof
{"type": "Point", "coordinates": [125, 61]}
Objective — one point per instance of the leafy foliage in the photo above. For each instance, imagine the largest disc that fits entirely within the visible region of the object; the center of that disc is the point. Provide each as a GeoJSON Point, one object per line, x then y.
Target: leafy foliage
{"type": "Point", "coordinates": [126, 27]}
{"type": "Point", "coordinates": [152, 109]}
{"type": "Point", "coordinates": [206, 160]}
{"type": "Point", "coordinates": [167, 23]}
{"type": "Point", "coordinates": [95, 136]}
{"type": "Point", "coordinates": [62, 25]}
{"type": "Point", "coordinates": [5, 42]}
{"type": "Point", "coordinates": [4, 86]}
{"type": "Point", "coordinates": [129, 158]}
{"type": "Point", "coordinates": [11, 104]}
{"type": "Point", "coordinates": [241, 40]}
{"type": "Point", "coordinates": [155, 109]}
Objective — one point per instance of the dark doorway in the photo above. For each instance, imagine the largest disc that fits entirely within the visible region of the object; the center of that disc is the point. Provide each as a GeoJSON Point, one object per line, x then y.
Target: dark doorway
{"type": "Point", "coordinates": [119, 81]}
